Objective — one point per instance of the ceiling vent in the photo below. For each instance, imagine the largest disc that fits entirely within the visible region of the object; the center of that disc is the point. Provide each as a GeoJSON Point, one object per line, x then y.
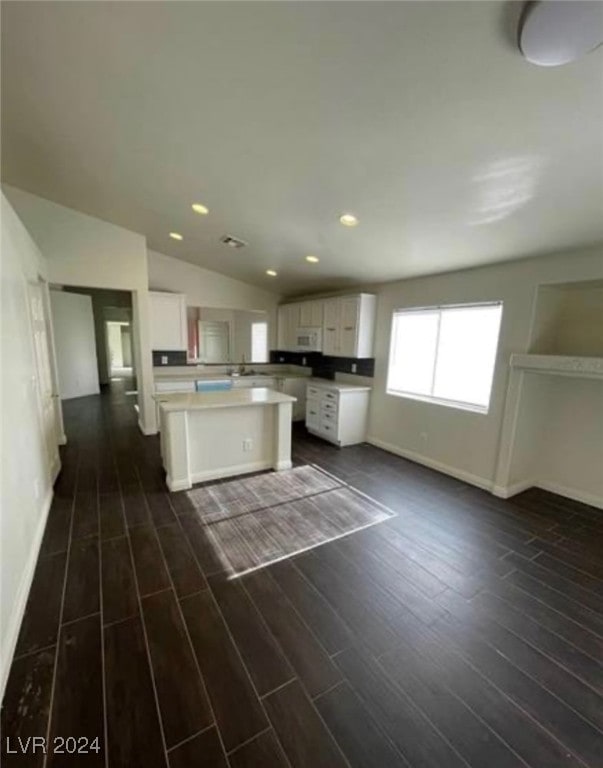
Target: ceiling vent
{"type": "Point", "coordinates": [233, 242]}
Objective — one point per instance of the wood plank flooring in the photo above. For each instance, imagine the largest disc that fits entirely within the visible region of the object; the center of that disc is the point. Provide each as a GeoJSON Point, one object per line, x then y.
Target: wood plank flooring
{"type": "Point", "coordinates": [466, 631]}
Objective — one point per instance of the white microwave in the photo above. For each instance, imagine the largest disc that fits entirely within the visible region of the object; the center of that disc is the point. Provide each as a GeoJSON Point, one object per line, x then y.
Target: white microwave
{"type": "Point", "coordinates": [308, 339]}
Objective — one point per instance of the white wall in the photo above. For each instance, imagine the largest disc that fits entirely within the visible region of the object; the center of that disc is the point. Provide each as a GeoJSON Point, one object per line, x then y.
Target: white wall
{"type": "Point", "coordinates": [462, 443]}
{"type": "Point", "coordinates": [84, 251]}
{"type": "Point", "coordinates": [25, 488]}
{"type": "Point", "coordinates": [569, 453]}
{"type": "Point", "coordinates": [204, 288]}
{"type": "Point", "coordinates": [73, 326]}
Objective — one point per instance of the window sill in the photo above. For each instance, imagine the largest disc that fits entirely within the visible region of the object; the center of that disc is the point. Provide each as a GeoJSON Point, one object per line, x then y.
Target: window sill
{"type": "Point", "coordinates": [483, 410]}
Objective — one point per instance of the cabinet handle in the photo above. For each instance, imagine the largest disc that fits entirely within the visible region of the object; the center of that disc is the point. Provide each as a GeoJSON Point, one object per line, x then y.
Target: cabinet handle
{"type": "Point", "coordinates": [349, 328]}
{"type": "Point", "coordinates": [330, 329]}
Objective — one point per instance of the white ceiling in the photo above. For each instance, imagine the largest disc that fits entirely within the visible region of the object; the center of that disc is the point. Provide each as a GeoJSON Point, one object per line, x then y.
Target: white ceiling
{"type": "Point", "coordinates": [421, 118]}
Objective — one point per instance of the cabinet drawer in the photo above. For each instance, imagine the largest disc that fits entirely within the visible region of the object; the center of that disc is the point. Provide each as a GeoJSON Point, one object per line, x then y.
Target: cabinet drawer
{"type": "Point", "coordinates": [313, 392]}
{"type": "Point", "coordinates": [329, 405]}
{"type": "Point", "coordinates": [329, 428]}
{"type": "Point", "coordinates": [312, 415]}
{"type": "Point", "coordinates": [328, 417]}
{"type": "Point", "coordinates": [329, 397]}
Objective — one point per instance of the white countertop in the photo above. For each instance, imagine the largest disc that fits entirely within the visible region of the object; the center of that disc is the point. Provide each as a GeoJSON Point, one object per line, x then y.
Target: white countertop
{"type": "Point", "coordinates": [229, 398]}
{"type": "Point", "coordinates": [336, 386]}
{"type": "Point", "coordinates": [198, 375]}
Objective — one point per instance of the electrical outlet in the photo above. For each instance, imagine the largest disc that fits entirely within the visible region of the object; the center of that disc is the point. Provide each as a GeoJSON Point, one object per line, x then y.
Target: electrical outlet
{"type": "Point", "coordinates": [247, 444]}
{"type": "Point", "coordinates": [423, 436]}
{"type": "Point", "coordinates": [354, 367]}
{"type": "Point", "coordinates": [303, 360]}
{"type": "Point", "coordinates": [164, 359]}
{"type": "Point", "coordinates": [281, 359]}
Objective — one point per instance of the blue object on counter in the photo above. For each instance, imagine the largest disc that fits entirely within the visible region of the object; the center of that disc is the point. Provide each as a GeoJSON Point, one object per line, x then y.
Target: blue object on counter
{"type": "Point", "coordinates": [212, 385]}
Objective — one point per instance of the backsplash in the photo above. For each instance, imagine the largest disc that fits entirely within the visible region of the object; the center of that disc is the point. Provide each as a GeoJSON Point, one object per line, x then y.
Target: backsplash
{"type": "Point", "coordinates": [174, 357]}
{"type": "Point", "coordinates": [323, 366]}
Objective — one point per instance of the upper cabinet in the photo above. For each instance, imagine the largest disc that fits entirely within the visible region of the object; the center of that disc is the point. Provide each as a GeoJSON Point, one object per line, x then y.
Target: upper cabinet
{"type": "Point", "coordinates": [310, 314]}
{"type": "Point", "coordinates": [168, 321]}
{"type": "Point", "coordinates": [349, 326]}
{"type": "Point", "coordinates": [347, 322]}
{"type": "Point", "coordinates": [288, 323]}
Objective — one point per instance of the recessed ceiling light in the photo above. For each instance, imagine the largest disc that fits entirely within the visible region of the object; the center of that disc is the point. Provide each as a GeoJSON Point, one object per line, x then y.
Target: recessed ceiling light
{"type": "Point", "coordinates": [271, 272]}
{"type": "Point", "coordinates": [312, 259]}
{"type": "Point", "coordinates": [176, 236]}
{"type": "Point", "coordinates": [199, 208]}
{"type": "Point", "coordinates": [554, 33]}
{"type": "Point", "coordinates": [348, 220]}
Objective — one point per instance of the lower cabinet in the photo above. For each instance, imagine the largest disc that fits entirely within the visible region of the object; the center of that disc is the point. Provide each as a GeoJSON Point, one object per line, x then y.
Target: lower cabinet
{"type": "Point", "coordinates": [249, 382]}
{"type": "Point", "coordinates": [336, 414]}
{"type": "Point", "coordinates": [296, 387]}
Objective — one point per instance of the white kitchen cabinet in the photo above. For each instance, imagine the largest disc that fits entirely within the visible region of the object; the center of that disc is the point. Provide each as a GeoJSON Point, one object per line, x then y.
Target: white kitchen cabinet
{"type": "Point", "coordinates": [347, 322]}
{"type": "Point", "coordinates": [172, 386]}
{"type": "Point", "coordinates": [310, 314]}
{"type": "Point", "coordinates": [288, 323]}
{"type": "Point", "coordinates": [349, 326]}
{"type": "Point", "coordinates": [330, 329]}
{"type": "Point", "coordinates": [247, 382]}
{"type": "Point", "coordinates": [296, 387]}
{"type": "Point", "coordinates": [338, 414]}
{"type": "Point", "coordinates": [168, 321]}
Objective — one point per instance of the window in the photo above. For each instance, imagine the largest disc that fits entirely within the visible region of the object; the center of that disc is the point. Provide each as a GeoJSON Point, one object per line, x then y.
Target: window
{"type": "Point", "coordinates": [259, 342]}
{"type": "Point", "coordinates": [445, 354]}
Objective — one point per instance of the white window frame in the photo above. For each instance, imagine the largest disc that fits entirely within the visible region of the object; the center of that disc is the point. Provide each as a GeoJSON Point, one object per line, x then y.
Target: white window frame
{"type": "Point", "coordinates": [426, 398]}
{"type": "Point", "coordinates": [265, 345]}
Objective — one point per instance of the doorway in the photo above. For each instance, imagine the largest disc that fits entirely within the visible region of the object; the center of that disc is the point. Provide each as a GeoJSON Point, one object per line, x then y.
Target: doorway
{"type": "Point", "coordinates": [107, 348]}
{"type": "Point", "coordinates": [118, 336]}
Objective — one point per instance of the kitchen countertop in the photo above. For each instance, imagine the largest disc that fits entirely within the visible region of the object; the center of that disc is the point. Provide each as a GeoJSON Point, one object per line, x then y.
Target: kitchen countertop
{"type": "Point", "coordinates": [196, 375]}
{"type": "Point", "coordinates": [336, 386]}
{"type": "Point", "coordinates": [230, 398]}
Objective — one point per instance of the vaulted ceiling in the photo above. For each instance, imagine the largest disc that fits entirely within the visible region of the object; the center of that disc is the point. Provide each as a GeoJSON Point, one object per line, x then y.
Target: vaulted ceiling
{"type": "Point", "coordinates": [421, 118]}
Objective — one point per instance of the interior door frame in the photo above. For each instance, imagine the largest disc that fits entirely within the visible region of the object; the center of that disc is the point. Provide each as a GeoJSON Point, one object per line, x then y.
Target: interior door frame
{"type": "Point", "coordinates": [57, 411]}
{"type": "Point", "coordinates": [54, 370]}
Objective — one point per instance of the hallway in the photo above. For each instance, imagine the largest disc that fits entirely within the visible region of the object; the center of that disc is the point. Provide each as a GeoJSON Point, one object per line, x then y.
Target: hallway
{"type": "Point", "coordinates": [466, 630]}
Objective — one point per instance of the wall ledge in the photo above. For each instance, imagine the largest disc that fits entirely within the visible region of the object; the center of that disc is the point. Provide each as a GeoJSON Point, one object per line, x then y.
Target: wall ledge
{"type": "Point", "coordinates": [560, 365]}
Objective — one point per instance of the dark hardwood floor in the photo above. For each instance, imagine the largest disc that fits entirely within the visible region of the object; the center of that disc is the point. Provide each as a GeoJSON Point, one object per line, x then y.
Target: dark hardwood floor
{"type": "Point", "coordinates": [465, 631]}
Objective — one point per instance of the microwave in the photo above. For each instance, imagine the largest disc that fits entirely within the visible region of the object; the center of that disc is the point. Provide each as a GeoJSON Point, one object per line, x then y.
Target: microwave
{"type": "Point", "coordinates": [308, 339]}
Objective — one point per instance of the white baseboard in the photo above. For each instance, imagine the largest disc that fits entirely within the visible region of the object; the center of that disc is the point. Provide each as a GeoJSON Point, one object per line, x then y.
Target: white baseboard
{"type": "Point", "coordinates": [502, 491]}
{"type": "Point", "coordinates": [571, 493]}
{"type": "Point", "coordinates": [446, 469]}
{"type": "Point", "coordinates": [55, 469]}
{"type": "Point", "coordinates": [506, 491]}
{"type": "Point", "coordinates": [177, 485]}
{"type": "Point", "coordinates": [214, 474]}
{"type": "Point", "coordinates": [287, 464]}
{"type": "Point", "coordinates": [16, 618]}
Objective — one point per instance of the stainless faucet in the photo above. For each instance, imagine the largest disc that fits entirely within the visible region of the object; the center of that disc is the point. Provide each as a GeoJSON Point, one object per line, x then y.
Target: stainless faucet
{"type": "Point", "coordinates": [242, 365]}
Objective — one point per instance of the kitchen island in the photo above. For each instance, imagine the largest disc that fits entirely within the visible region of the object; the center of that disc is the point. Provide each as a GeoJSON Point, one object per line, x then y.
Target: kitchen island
{"type": "Point", "coordinates": [210, 435]}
